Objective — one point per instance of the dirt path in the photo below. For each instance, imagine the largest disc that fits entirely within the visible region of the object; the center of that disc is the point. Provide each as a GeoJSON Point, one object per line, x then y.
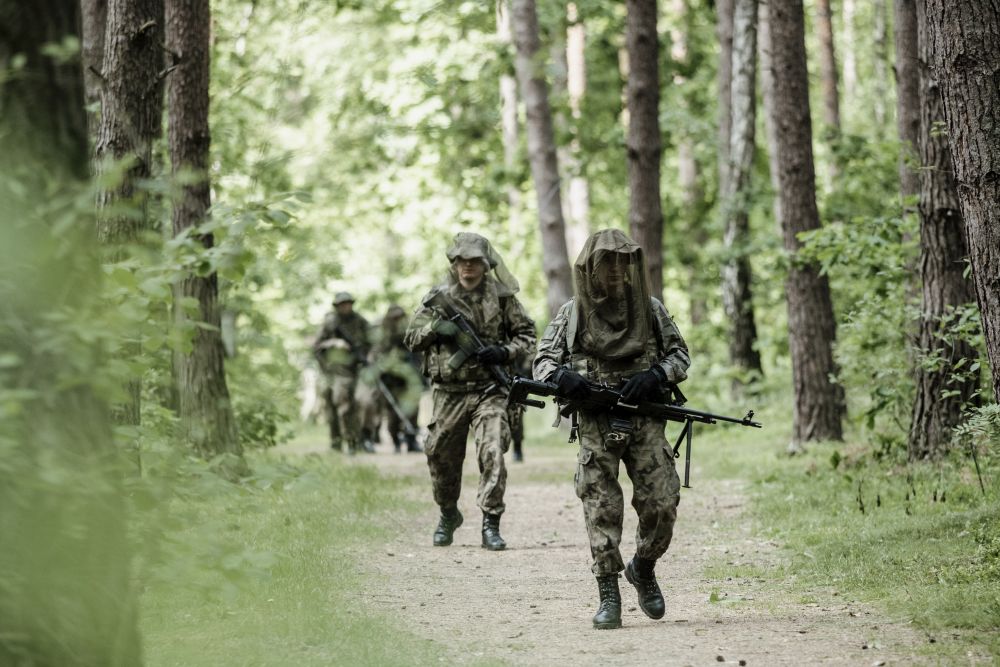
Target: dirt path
{"type": "Point", "coordinates": [532, 604]}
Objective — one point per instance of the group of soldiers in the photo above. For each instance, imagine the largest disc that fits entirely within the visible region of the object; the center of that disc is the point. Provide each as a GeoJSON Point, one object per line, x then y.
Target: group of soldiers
{"type": "Point", "coordinates": [612, 333]}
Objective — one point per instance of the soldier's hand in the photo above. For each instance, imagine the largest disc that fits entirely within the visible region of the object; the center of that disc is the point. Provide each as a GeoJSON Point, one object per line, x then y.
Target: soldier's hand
{"type": "Point", "coordinates": [444, 328]}
{"type": "Point", "coordinates": [571, 384]}
{"type": "Point", "coordinates": [644, 385]}
{"type": "Point", "coordinates": [491, 355]}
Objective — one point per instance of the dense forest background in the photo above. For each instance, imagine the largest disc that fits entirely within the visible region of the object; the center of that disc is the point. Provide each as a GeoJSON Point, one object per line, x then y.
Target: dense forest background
{"type": "Point", "coordinates": [184, 191]}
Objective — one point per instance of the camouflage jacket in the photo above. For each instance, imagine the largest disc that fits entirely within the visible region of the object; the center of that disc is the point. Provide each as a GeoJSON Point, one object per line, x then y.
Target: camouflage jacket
{"type": "Point", "coordinates": [498, 318]}
{"type": "Point", "coordinates": [557, 348]}
{"type": "Point", "coordinates": [333, 344]}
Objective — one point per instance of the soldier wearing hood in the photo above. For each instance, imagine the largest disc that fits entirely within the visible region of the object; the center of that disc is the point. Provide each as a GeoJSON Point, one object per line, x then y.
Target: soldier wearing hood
{"type": "Point", "coordinates": [613, 332]}
{"type": "Point", "coordinates": [465, 395]}
{"type": "Point", "coordinates": [340, 347]}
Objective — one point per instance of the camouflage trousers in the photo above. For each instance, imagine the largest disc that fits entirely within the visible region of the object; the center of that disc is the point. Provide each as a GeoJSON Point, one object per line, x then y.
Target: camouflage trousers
{"type": "Point", "coordinates": [341, 410]}
{"type": "Point", "coordinates": [455, 413]}
{"type": "Point", "coordinates": [649, 463]}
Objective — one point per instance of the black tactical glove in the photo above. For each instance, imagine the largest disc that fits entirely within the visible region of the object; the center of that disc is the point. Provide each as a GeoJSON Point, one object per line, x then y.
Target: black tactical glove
{"type": "Point", "coordinates": [571, 384]}
{"type": "Point", "coordinates": [644, 386]}
{"type": "Point", "coordinates": [492, 355]}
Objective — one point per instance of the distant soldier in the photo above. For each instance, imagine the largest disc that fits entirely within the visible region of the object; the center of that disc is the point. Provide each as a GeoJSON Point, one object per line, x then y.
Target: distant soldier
{"type": "Point", "coordinates": [398, 369]}
{"type": "Point", "coordinates": [515, 412]}
{"type": "Point", "coordinates": [340, 349]}
{"type": "Point", "coordinates": [613, 332]}
{"type": "Point", "coordinates": [466, 395]}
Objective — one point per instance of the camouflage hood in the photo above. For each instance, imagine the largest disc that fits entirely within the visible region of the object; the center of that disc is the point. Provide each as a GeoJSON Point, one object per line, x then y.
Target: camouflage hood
{"type": "Point", "coordinates": [613, 314]}
{"type": "Point", "coordinates": [470, 245]}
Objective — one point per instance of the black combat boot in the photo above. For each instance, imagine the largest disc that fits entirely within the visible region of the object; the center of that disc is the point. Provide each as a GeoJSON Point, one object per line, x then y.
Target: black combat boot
{"type": "Point", "coordinates": [451, 519]}
{"type": "Point", "coordinates": [639, 573]}
{"type": "Point", "coordinates": [491, 533]}
{"type": "Point", "coordinates": [609, 613]}
{"type": "Point", "coordinates": [397, 444]}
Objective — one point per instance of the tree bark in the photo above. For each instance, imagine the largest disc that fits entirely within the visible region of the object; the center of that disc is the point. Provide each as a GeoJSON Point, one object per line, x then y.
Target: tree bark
{"type": "Point", "coordinates": [578, 197]}
{"type": "Point", "coordinates": [643, 144]}
{"type": "Point", "coordinates": [542, 154]}
{"type": "Point", "coordinates": [737, 297]}
{"type": "Point", "coordinates": [941, 391]}
{"type": "Point", "coordinates": [819, 401]}
{"type": "Point", "coordinates": [907, 99]}
{"type": "Point", "coordinates": [206, 412]}
{"type": "Point", "coordinates": [724, 33]}
{"type": "Point", "coordinates": [94, 14]}
{"type": "Point", "coordinates": [881, 56]}
{"type": "Point", "coordinates": [510, 130]}
{"type": "Point", "coordinates": [767, 100]}
{"type": "Point", "coordinates": [828, 67]}
{"type": "Point", "coordinates": [850, 63]}
{"type": "Point", "coordinates": [965, 48]}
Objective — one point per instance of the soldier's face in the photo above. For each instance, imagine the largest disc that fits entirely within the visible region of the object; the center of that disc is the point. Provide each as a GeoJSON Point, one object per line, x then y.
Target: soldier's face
{"type": "Point", "coordinates": [470, 272]}
{"type": "Point", "coordinates": [609, 276]}
{"type": "Point", "coordinates": [345, 308]}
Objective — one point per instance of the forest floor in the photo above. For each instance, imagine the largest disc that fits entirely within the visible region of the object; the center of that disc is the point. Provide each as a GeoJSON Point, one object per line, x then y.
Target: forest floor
{"type": "Point", "coordinates": [532, 604]}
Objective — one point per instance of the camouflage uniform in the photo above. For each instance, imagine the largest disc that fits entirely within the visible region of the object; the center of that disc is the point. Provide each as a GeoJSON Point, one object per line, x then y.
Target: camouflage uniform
{"type": "Point", "coordinates": [340, 369]}
{"type": "Point", "coordinates": [398, 369]}
{"type": "Point", "coordinates": [465, 397]}
{"type": "Point", "coordinates": [647, 456]}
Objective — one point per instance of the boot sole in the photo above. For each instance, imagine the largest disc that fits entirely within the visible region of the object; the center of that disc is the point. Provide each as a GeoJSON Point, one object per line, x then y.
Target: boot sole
{"type": "Point", "coordinates": [628, 577]}
{"type": "Point", "coordinates": [607, 626]}
{"type": "Point", "coordinates": [489, 548]}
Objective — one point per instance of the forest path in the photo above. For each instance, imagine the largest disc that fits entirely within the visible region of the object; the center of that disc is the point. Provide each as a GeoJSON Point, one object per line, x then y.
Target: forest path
{"type": "Point", "coordinates": [532, 604]}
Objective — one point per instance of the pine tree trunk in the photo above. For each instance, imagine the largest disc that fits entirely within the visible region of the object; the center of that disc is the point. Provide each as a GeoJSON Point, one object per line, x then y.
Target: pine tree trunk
{"type": "Point", "coordinates": [93, 14]}
{"type": "Point", "coordinates": [965, 45]}
{"type": "Point", "coordinates": [737, 296]}
{"type": "Point", "coordinates": [828, 66]}
{"type": "Point", "coordinates": [767, 100]}
{"type": "Point", "coordinates": [206, 412]}
{"type": "Point", "coordinates": [542, 154]}
{"type": "Point", "coordinates": [907, 98]}
{"type": "Point", "coordinates": [510, 131]}
{"type": "Point", "coordinates": [643, 145]}
{"type": "Point", "coordinates": [578, 196]}
{"type": "Point", "coordinates": [819, 402]}
{"type": "Point", "coordinates": [724, 32]}
{"type": "Point", "coordinates": [937, 406]}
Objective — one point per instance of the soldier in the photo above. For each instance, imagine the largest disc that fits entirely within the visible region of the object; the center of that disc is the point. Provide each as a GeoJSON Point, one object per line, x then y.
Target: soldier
{"type": "Point", "coordinates": [515, 413]}
{"type": "Point", "coordinates": [465, 394]}
{"type": "Point", "coordinates": [614, 332]}
{"type": "Point", "coordinates": [340, 348]}
{"type": "Point", "coordinates": [398, 369]}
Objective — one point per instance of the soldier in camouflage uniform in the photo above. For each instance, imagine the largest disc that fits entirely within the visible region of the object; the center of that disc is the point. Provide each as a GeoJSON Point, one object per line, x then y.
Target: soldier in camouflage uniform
{"type": "Point", "coordinates": [398, 369]}
{"type": "Point", "coordinates": [614, 332]}
{"type": "Point", "coordinates": [465, 394]}
{"type": "Point", "coordinates": [340, 363]}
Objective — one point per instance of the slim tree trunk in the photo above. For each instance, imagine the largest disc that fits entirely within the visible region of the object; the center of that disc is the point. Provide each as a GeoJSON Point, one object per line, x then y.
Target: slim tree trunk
{"type": "Point", "coordinates": [767, 99]}
{"type": "Point", "coordinates": [941, 390]}
{"type": "Point", "coordinates": [724, 32]}
{"type": "Point", "coordinates": [510, 130]}
{"type": "Point", "coordinates": [643, 144]}
{"type": "Point", "coordinates": [206, 413]}
{"type": "Point", "coordinates": [819, 402]}
{"type": "Point", "coordinates": [131, 119]}
{"type": "Point", "coordinates": [93, 14]}
{"type": "Point", "coordinates": [850, 63]}
{"type": "Point", "coordinates": [542, 154]}
{"type": "Point", "coordinates": [736, 291]}
{"type": "Point", "coordinates": [907, 98]}
{"type": "Point", "coordinates": [578, 197]}
{"type": "Point", "coordinates": [881, 56]}
{"type": "Point", "coordinates": [965, 47]}
{"type": "Point", "coordinates": [828, 66]}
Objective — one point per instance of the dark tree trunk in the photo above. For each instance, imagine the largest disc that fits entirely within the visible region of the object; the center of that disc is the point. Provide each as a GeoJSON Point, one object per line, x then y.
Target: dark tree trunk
{"type": "Point", "coordinates": [724, 31]}
{"type": "Point", "coordinates": [965, 45]}
{"type": "Point", "coordinates": [937, 406]}
{"type": "Point", "coordinates": [131, 118]}
{"type": "Point", "coordinates": [94, 14]}
{"type": "Point", "coordinates": [819, 401]}
{"type": "Point", "coordinates": [205, 409]}
{"type": "Point", "coordinates": [907, 98]}
{"type": "Point", "coordinates": [542, 154]}
{"type": "Point", "coordinates": [737, 297]}
{"type": "Point", "coordinates": [643, 145]}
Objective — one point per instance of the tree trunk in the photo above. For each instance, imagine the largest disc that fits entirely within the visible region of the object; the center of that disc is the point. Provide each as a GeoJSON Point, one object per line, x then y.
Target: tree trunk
{"type": "Point", "coordinates": [510, 132]}
{"type": "Point", "coordinates": [819, 402]}
{"type": "Point", "coordinates": [850, 63]}
{"type": "Point", "coordinates": [643, 144]}
{"type": "Point", "coordinates": [965, 45]}
{"type": "Point", "coordinates": [767, 99]}
{"type": "Point", "coordinates": [736, 291]}
{"type": "Point", "coordinates": [827, 66]}
{"type": "Point", "coordinates": [941, 390]}
{"type": "Point", "coordinates": [131, 119]}
{"type": "Point", "coordinates": [907, 99]}
{"type": "Point", "coordinates": [881, 56]}
{"type": "Point", "coordinates": [724, 32]}
{"type": "Point", "coordinates": [206, 412]}
{"type": "Point", "coordinates": [94, 14]}
{"type": "Point", "coordinates": [578, 197]}
{"type": "Point", "coordinates": [542, 154]}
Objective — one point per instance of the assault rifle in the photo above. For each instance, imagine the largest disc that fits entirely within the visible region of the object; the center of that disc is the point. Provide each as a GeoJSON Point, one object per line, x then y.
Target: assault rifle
{"type": "Point", "coordinates": [470, 344]}
{"type": "Point", "coordinates": [601, 398]}
{"type": "Point", "coordinates": [357, 353]}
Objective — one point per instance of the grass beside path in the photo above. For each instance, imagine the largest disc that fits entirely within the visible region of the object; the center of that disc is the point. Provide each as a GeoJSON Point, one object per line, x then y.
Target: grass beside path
{"type": "Point", "coordinates": [277, 590]}
{"type": "Point", "coordinates": [919, 541]}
